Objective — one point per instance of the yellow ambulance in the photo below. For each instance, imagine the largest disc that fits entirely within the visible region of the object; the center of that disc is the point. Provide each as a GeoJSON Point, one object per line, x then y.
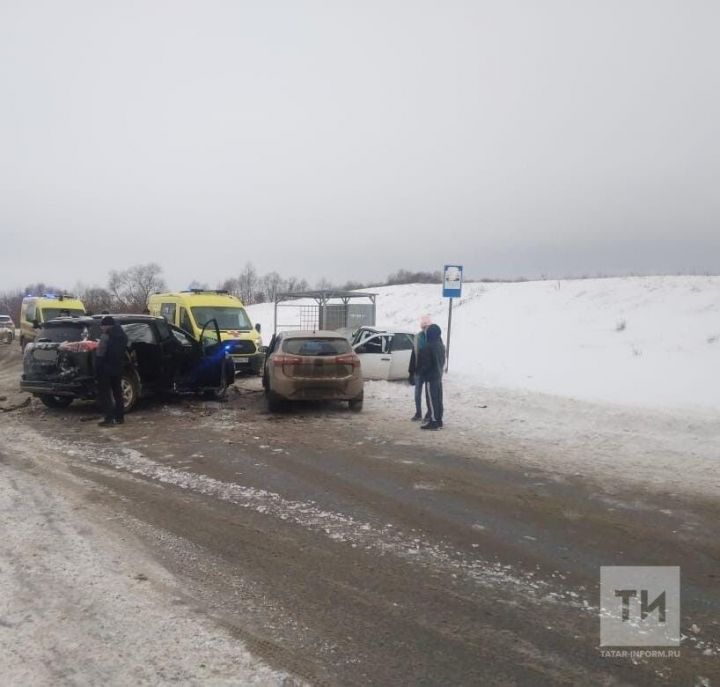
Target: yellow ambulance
{"type": "Point", "coordinates": [190, 310]}
{"type": "Point", "coordinates": [38, 309]}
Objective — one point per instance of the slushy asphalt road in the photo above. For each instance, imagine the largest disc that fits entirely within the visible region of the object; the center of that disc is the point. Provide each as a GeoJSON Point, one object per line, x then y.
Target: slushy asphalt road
{"type": "Point", "coordinates": [342, 555]}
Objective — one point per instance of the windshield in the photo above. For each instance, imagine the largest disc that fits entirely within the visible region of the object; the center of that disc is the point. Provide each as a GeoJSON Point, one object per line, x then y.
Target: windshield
{"type": "Point", "coordinates": [227, 317]}
{"type": "Point", "coordinates": [51, 313]}
{"type": "Point", "coordinates": [69, 332]}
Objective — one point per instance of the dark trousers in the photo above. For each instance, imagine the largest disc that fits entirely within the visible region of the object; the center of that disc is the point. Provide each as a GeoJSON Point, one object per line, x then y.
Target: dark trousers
{"type": "Point", "coordinates": [435, 398]}
{"type": "Point", "coordinates": [110, 396]}
{"type": "Point", "coordinates": [419, 386]}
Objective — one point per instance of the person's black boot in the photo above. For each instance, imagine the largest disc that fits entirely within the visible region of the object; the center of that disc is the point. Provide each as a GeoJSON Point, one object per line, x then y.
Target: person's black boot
{"type": "Point", "coordinates": [433, 424]}
{"type": "Point", "coordinates": [107, 422]}
{"type": "Point", "coordinates": [416, 417]}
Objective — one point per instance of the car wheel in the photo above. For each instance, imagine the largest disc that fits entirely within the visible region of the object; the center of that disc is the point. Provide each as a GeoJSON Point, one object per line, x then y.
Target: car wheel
{"type": "Point", "coordinates": [130, 391]}
{"type": "Point", "coordinates": [56, 401]}
{"type": "Point", "coordinates": [356, 404]}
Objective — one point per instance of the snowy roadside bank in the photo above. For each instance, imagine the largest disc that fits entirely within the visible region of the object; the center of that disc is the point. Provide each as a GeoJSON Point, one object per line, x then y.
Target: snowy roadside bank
{"type": "Point", "coordinates": [663, 450]}
{"type": "Point", "coordinates": [79, 605]}
{"type": "Point", "coordinates": [614, 379]}
{"type": "Point", "coordinates": [638, 341]}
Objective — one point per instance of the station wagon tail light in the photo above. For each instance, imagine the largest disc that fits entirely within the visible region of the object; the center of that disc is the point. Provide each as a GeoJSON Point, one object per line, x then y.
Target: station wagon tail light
{"type": "Point", "coordinates": [348, 359]}
{"type": "Point", "coordinates": [287, 360]}
{"type": "Point", "coordinates": [78, 346]}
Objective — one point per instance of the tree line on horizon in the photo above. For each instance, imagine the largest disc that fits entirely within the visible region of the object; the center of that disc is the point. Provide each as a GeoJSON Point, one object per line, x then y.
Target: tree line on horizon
{"type": "Point", "coordinates": [128, 290]}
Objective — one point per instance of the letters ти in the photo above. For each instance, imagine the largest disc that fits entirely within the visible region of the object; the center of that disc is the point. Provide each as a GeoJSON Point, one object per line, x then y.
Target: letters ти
{"type": "Point", "coordinates": [645, 608]}
{"type": "Point", "coordinates": [626, 595]}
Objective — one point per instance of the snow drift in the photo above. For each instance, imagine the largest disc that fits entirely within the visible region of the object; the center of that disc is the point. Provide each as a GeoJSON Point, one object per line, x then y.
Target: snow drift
{"type": "Point", "coordinates": [651, 341]}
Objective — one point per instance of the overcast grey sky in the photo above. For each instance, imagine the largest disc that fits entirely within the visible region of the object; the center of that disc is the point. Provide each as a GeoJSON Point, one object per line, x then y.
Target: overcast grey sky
{"type": "Point", "coordinates": [349, 139]}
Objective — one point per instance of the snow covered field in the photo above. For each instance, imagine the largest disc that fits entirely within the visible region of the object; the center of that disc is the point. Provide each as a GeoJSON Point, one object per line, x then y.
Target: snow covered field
{"type": "Point", "coordinates": [643, 341]}
{"type": "Point", "coordinates": [578, 377]}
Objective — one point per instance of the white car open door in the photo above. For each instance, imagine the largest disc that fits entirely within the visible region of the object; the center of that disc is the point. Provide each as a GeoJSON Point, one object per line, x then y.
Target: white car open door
{"type": "Point", "coordinates": [400, 351]}
{"type": "Point", "coordinates": [375, 358]}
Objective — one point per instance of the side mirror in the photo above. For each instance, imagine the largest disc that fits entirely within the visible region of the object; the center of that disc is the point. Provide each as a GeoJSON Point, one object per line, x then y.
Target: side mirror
{"type": "Point", "coordinates": [257, 327]}
{"type": "Point", "coordinates": [36, 324]}
{"type": "Point", "coordinates": [264, 349]}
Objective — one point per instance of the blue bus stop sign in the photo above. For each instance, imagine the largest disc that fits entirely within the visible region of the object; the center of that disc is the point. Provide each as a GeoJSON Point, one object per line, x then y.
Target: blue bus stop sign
{"type": "Point", "coordinates": [452, 281]}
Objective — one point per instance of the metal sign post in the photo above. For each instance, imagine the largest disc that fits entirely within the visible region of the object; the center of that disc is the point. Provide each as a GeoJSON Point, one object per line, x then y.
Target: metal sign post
{"type": "Point", "coordinates": [447, 348]}
{"type": "Point", "coordinates": [452, 288]}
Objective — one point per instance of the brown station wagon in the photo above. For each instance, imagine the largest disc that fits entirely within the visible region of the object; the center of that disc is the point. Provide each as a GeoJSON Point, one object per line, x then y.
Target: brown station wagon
{"type": "Point", "coordinates": [312, 366]}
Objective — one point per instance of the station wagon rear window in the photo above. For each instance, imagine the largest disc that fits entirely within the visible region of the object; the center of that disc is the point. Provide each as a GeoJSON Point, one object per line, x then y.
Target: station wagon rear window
{"type": "Point", "coordinates": [316, 347]}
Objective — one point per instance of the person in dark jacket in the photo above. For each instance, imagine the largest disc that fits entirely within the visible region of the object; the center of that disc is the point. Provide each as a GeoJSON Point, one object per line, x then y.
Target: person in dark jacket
{"type": "Point", "coordinates": [431, 364]}
{"type": "Point", "coordinates": [414, 377]}
{"type": "Point", "coordinates": [109, 361]}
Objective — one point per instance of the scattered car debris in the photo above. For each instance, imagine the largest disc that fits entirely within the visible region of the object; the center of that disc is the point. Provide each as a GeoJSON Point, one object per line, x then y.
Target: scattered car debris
{"type": "Point", "coordinates": [23, 404]}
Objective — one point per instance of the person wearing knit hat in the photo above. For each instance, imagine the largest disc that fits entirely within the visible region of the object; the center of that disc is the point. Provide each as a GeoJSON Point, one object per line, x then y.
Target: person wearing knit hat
{"type": "Point", "coordinates": [413, 376]}
{"type": "Point", "coordinates": [109, 359]}
{"type": "Point", "coordinates": [431, 363]}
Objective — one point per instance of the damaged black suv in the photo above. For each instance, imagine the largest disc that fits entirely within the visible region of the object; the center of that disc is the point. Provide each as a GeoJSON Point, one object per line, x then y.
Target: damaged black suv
{"type": "Point", "coordinates": [59, 365]}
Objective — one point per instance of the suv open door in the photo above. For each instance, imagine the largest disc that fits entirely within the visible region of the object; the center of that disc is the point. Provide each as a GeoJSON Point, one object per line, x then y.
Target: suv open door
{"type": "Point", "coordinates": [213, 366]}
{"type": "Point", "coordinates": [210, 335]}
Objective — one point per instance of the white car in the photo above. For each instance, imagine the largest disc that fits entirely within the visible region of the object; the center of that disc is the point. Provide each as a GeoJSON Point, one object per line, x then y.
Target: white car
{"type": "Point", "coordinates": [383, 354]}
{"type": "Point", "coordinates": [7, 329]}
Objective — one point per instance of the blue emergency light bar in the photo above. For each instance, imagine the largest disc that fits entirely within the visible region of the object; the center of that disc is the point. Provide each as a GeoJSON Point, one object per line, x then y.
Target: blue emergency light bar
{"type": "Point", "coordinates": [52, 296]}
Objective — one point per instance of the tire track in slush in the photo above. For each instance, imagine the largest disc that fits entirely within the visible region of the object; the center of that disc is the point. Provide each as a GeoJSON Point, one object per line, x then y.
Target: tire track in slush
{"type": "Point", "coordinates": [338, 527]}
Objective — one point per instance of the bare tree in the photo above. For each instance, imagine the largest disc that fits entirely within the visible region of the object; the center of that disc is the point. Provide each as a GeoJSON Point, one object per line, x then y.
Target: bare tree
{"type": "Point", "coordinates": [408, 277]}
{"type": "Point", "coordinates": [272, 284]}
{"type": "Point", "coordinates": [251, 288]}
{"type": "Point", "coordinates": [231, 286]}
{"type": "Point", "coordinates": [41, 288]}
{"type": "Point", "coordinates": [10, 302]}
{"type": "Point", "coordinates": [199, 285]}
{"type": "Point", "coordinates": [324, 285]}
{"type": "Point", "coordinates": [96, 299]}
{"type": "Point", "coordinates": [248, 284]}
{"type": "Point", "coordinates": [132, 287]}
{"type": "Point", "coordinates": [295, 285]}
